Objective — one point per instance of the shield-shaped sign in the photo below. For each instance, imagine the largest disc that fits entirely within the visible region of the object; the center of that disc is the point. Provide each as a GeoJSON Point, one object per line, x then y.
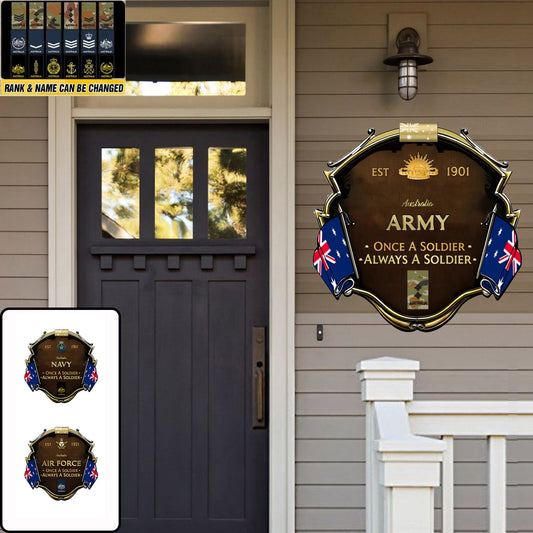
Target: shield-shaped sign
{"type": "Point", "coordinates": [61, 462]}
{"type": "Point", "coordinates": [61, 364]}
{"type": "Point", "coordinates": [417, 223]}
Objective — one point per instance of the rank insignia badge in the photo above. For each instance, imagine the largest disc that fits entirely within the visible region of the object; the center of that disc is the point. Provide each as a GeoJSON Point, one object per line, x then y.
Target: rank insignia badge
{"type": "Point", "coordinates": [61, 462]}
{"type": "Point", "coordinates": [18, 15]}
{"type": "Point", "coordinates": [61, 364]}
{"type": "Point", "coordinates": [106, 69]}
{"type": "Point", "coordinates": [18, 70]}
{"type": "Point", "coordinates": [53, 67]}
{"type": "Point", "coordinates": [88, 69]}
{"type": "Point", "coordinates": [72, 69]}
{"type": "Point", "coordinates": [417, 289]}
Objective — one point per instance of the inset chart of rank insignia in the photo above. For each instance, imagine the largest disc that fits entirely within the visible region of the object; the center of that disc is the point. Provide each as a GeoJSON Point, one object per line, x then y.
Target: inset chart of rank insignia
{"type": "Point", "coordinates": [45, 44]}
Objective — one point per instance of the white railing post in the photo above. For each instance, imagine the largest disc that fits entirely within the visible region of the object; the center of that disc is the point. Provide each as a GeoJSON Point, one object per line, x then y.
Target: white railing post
{"type": "Point", "coordinates": [402, 469]}
{"type": "Point", "coordinates": [497, 484]}
{"type": "Point", "coordinates": [447, 486]}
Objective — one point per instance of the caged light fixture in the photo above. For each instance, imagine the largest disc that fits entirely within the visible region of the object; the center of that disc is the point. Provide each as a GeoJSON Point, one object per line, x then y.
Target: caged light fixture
{"type": "Point", "coordinates": [407, 60]}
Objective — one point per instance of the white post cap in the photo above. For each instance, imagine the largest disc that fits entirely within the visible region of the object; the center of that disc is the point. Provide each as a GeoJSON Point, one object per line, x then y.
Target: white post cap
{"type": "Point", "coordinates": [387, 379]}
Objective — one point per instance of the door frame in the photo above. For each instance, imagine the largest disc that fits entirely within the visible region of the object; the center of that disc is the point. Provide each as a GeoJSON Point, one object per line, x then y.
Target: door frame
{"type": "Point", "coordinates": [62, 120]}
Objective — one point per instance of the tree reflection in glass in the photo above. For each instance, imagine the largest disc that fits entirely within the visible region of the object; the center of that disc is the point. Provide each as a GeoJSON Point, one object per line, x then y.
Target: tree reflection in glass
{"type": "Point", "coordinates": [120, 193]}
{"type": "Point", "coordinates": [174, 193]}
{"type": "Point", "coordinates": [227, 193]}
{"type": "Point", "coordinates": [186, 88]}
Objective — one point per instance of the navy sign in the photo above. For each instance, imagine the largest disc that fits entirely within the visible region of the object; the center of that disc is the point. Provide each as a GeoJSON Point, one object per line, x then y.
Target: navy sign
{"type": "Point", "coordinates": [417, 223]}
{"type": "Point", "coordinates": [61, 364]}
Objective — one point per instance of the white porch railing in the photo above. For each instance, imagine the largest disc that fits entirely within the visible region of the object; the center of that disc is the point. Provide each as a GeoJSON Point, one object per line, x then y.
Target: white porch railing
{"type": "Point", "coordinates": [403, 467]}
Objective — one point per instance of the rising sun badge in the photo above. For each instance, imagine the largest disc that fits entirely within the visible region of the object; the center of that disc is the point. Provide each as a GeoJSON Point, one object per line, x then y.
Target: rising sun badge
{"type": "Point", "coordinates": [418, 168]}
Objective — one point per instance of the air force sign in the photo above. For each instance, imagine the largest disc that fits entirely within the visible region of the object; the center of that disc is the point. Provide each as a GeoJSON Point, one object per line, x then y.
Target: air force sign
{"type": "Point", "coordinates": [417, 223]}
{"type": "Point", "coordinates": [61, 462]}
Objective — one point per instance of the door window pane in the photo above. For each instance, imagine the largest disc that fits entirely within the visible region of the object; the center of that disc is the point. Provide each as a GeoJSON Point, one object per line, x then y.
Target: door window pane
{"type": "Point", "coordinates": [173, 193]}
{"type": "Point", "coordinates": [227, 193]}
{"type": "Point", "coordinates": [185, 88]}
{"type": "Point", "coordinates": [120, 193]}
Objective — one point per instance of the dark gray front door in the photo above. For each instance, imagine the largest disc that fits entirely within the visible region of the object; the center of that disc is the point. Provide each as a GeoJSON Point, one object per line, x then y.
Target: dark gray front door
{"type": "Point", "coordinates": [173, 232]}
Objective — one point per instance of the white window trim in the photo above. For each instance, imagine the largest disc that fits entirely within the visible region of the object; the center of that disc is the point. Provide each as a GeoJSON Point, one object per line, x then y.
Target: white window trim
{"type": "Point", "coordinates": [62, 237]}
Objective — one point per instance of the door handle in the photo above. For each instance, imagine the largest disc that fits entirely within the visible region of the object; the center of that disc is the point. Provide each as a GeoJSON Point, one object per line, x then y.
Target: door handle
{"type": "Point", "coordinates": [259, 396]}
{"type": "Point", "coordinates": [259, 377]}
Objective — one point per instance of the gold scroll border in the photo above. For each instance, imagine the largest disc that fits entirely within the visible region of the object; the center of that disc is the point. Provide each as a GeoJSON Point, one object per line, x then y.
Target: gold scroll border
{"type": "Point", "coordinates": [52, 334]}
{"type": "Point", "coordinates": [61, 431]}
{"type": "Point", "coordinates": [399, 320]}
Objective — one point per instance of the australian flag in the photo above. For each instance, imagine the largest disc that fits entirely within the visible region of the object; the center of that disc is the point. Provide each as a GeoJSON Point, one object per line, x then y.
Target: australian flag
{"type": "Point", "coordinates": [90, 377]}
{"type": "Point", "coordinates": [31, 377]}
{"type": "Point", "coordinates": [332, 258]}
{"type": "Point", "coordinates": [31, 474]}
{"type": "Point", "coordinates": [90, 475]}
{"type": "Point", "coordinates": [502, 257]}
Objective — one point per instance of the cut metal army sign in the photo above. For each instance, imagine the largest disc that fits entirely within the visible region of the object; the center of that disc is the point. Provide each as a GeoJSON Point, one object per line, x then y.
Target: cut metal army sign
{"type": "Point", "coordinates": [61, 364]}
{"type": "Point", "coordinates": [61, 462]}
{"type": "Point", "coordinates": [417, 223]}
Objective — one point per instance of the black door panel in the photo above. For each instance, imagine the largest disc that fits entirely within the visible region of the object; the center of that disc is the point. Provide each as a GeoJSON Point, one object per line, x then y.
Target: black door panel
{"type": "Point", "coordinates": [191, 461]}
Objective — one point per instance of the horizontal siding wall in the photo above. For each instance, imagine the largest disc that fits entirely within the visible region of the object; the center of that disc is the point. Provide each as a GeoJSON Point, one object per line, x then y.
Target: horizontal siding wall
{"type": "Point", "coordinates": [23, 202]}
{"type": "Point", "coordinates": [475, 357]}
{"type": "Point", "coordinates": [481, 79]}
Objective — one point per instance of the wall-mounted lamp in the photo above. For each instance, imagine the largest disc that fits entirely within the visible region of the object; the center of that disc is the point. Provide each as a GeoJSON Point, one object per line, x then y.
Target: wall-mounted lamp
{"type": "Point", "coordinates": [407, 60]}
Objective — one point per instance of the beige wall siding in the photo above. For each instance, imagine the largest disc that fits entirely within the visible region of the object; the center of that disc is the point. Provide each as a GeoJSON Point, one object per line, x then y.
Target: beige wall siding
{"type": "Point", "coordinates": [482, 79]}
{"type": "Point", "coordinates": [23, 201]}
{"type": "Point", "coordinates": [330, 447]}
